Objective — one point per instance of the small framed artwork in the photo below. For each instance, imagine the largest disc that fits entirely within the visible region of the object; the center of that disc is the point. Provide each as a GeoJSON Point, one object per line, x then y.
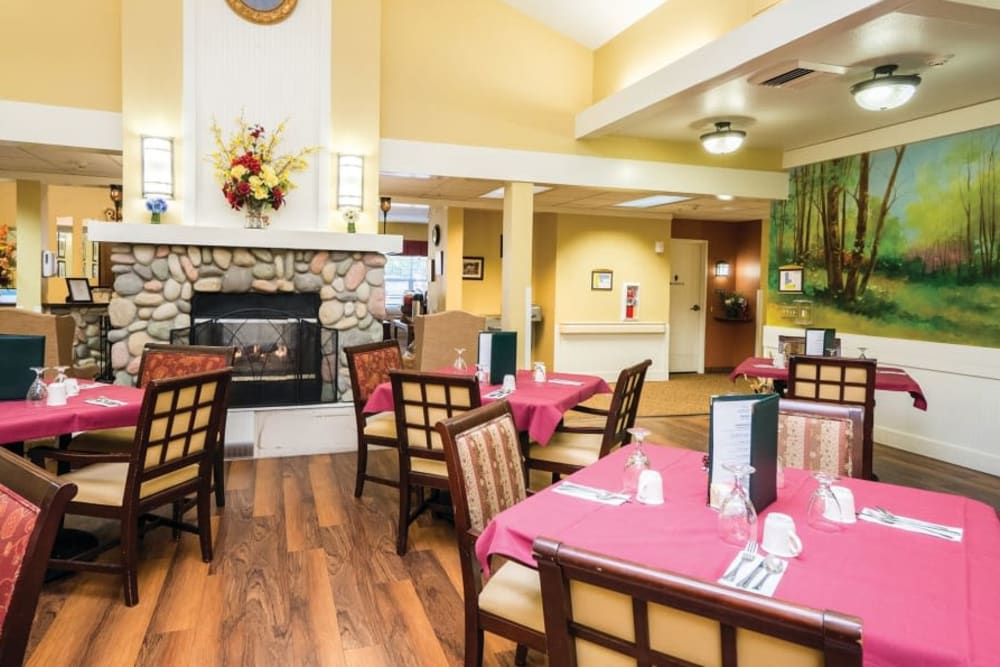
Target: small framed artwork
{"type": "Point", "coordinates": [790, 279]}
{"type": "Point", "coordinates": [472, 268]}
{"type": "Point", "coordinates": [60, 245]}
{"type": "Point", "coordinates": [61, 268]}
{"type": "Point", "coordinates": [79, 290]}
{"type": "Point", "coordinates": [601, 279]}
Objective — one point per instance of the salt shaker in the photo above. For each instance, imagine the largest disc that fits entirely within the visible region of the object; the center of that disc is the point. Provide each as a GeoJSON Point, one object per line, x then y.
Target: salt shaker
{"type": "Point", "coordinates": [539, 375]}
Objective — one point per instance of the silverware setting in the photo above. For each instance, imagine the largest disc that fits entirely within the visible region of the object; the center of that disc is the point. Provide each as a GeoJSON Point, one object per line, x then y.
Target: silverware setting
{"type": "Point", "coordinates": [772, 565]}
{"type": "Point", "coordinates": [747, 555]}
{"type": "Point", "coordinates": [600, 494]}
{"type": "Point", "coordinates": [884, 516]}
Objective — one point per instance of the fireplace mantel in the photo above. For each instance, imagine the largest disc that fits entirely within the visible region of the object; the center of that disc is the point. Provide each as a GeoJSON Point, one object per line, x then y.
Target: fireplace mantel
{"type": "Point", "coordinates": [200, 235]}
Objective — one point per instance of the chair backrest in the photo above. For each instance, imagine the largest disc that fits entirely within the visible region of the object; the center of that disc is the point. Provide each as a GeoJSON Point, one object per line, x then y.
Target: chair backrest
{"type": "Point", "coordinates": [837, 380]}
{"type": "Point", "coordinates": [624, 406]}
{"type": "Point", "coordinates": [421, 400]}
{"type": "Point", "coordinates": [797, 345]}
{"type": "Point", "coordinates": [32, 504]}
{"type": "Point", "coordinates": [59, 332]}
{"type": "Point", "coordinates": [436, 337]}
{"type": "Point", "coordinates": [485, 476]}
{"type": "Point", "coordinates": [821, 436]}
{"type": "Point", "coordinates": [163, 360]}
{"type": "Point", "coordinates": [177, 432]}
{"type": "Point", "coordinates": [604, 611]}
{"type": "Point", "coordinates": [369, 366]}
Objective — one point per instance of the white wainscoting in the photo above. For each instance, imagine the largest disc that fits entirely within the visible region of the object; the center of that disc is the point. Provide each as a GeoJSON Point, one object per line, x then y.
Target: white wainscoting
{"type": "Point", "coordinates": [605, 348]}
{"type": "Point", "coordinates": [294, 431]}
{"type": "Point", "coordinates": [962, 386]}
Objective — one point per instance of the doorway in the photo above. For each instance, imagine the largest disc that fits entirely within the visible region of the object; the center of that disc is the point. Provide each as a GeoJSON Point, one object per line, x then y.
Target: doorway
{"type": "Point", "coordinates": [688, 261]}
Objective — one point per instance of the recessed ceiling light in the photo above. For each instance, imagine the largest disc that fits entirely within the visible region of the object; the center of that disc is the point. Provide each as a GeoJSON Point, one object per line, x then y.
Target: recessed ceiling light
{"type": "Point", "coordinates": [498, 193]}
{"type": "Point", "coordinates": [724, 197]}
{"type": "Point", "coordinates": [651, 201]}
{"type": "Point", "coordinates": [404, 174]}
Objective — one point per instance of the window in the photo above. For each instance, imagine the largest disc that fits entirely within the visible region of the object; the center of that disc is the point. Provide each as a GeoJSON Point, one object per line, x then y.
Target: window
{"type": "Point", "coordinates": [402, 273]}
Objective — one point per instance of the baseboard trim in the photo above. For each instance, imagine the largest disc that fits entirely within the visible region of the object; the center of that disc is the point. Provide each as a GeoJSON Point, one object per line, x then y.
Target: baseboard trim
{"type": "Point", "coordinates": [948, 452]}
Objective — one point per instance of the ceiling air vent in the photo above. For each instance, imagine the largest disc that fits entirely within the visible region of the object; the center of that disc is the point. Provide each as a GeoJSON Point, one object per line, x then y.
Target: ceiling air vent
{"type": "Point", "coordinates": [796, 74]}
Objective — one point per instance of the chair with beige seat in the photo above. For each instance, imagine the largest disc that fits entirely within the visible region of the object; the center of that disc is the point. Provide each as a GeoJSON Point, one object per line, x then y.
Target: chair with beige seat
{"type": "Point", "coordinates": [573, 447]}
{"type": "Point", "coordinates": [420, 401]}
{"type": "Point", "coordinates": [602, 611]}
{"type": "Point", "coordinates": [171, 458]}
{"type": "Point", "coordinates": [369, 366]}
{"type": "Point", "coordinates": [437, 336]}
{"type": "Point", "coordinates": [483, 453]}
{"type": "Point", "coordinates": [821, 436]}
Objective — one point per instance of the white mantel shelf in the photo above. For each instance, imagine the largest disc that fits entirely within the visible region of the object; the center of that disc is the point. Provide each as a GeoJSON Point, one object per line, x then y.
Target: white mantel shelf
{"type": "Point", "coordinates": [202, 235]}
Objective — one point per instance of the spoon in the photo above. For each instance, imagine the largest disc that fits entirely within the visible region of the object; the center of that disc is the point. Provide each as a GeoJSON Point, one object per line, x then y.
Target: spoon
{"type": "Point", "coordinates": [772, 565]}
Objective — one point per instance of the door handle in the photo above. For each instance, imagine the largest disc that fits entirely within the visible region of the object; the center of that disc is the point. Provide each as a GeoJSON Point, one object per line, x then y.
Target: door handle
{"type": "Point", "coordinates": [696, 308]}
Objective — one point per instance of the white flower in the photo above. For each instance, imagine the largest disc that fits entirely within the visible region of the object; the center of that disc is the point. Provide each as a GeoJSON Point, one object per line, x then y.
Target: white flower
{"type": "Point", "coordinates": [351, 215]}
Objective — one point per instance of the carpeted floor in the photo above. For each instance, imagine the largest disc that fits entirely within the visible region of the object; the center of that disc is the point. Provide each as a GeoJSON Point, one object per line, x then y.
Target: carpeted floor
{"type": "Point", "coordinates": [683, 394]}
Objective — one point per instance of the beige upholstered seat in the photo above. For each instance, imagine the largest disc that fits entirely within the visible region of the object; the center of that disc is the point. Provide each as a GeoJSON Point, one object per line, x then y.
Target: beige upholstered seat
{"type": "Point", "coordinates": [603, 612]}
{"type": "Point", "coordinates": [486, 473]}
{"type": "Point", "coordinates": [790, 345]}
{"type": "Point", "coordinates": [821, 436]}
{"type": "Point", "coordinates": [440, 334]}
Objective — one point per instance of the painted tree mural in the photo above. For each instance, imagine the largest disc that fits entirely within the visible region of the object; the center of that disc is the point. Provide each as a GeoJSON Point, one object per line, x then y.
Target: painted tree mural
{"type": "Point", "coordinates": [900, 242]}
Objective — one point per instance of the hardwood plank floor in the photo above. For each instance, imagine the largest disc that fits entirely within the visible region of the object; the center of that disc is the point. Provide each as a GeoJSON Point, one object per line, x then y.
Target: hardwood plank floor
{"type": "Point", "coordinates": [305, 574]}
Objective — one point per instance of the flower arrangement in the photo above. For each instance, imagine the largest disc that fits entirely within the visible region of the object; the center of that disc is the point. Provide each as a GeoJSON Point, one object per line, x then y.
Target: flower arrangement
{"type": "Point", "coordinates": [351, 216]}
{"type": "Point", "coordinates": [8, 257]}
{"type": "Point", "coordinates": [250, 172]}
{"type": "Point", "coordinates": [156, 206]}
{"type": "Point", "coordinates": [734, 303]}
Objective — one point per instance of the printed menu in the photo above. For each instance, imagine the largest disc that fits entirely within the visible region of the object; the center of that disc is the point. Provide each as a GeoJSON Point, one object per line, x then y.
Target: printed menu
{"type": "Point", "coordinates": [744, 429]}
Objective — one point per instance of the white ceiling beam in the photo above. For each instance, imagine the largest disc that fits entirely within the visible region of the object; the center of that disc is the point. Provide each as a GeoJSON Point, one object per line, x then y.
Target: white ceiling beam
{"type": "Point", "coordinates": [60, 126]}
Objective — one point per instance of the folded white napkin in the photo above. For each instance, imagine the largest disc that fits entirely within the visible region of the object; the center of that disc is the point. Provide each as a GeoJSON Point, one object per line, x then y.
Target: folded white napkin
{"type": "Point", "coordinates": [500, 393]}
{"type": "Point", "coordinates": [574, 383]}
{"type": "Point", "coordinates": [92, 385]}
{"type": "Point", "coordinates": [591, 493]}
{"type": "Point", "coordinates": [105, 402]}
{"type": "Point", "coordinates": [770, 584]}
{"type": "Point", "coordinates": [951, 533]}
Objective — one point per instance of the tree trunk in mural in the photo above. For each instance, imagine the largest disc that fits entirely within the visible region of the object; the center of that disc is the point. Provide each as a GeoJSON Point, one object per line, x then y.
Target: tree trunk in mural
{"type": "Point", "coordinates": [855, 260]}
{"type": "Point", "coordinates": [829, 220]}
{"type": "Point", "coordinates": [988, 213]}
{"type": "Point", "coordinates": [883, 213]}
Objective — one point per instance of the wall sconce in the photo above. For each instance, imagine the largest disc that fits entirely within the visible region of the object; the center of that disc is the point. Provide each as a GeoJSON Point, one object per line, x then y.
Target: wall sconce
{"type": "Point", "coordinates": [350, 181]}
{"type": "Point", "coordinates": [384, 203]}
{"type": "Point", "coordinates": [722, 269]}
{"type": "Point", "coordinates": [157, 167]}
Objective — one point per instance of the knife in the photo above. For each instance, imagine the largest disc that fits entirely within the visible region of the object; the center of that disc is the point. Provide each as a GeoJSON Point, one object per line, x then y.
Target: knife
{"type": "Point", "coordinates": [744, 582]}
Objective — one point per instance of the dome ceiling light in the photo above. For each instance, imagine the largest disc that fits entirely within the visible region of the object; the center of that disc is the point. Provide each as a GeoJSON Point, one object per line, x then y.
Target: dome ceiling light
{"type": "Point", "coordinates": [723, 139]}
{"type": "Point", "coordinates": [885, 90]}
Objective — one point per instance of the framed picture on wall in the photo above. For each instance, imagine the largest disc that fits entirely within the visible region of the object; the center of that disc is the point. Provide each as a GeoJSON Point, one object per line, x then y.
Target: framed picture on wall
{"type": "Point", "coordinates": [472, 268]}
{"type": "Point", "coordinates": [790, 279]}
{"type": "Point", "coordinates": [601, 279]}
{"type": "Point", "coordinates": [79, 290]}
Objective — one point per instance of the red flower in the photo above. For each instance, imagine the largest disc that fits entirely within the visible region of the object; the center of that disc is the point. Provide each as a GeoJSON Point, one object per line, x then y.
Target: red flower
{"type": "Point", "coordinates": [278, 196]}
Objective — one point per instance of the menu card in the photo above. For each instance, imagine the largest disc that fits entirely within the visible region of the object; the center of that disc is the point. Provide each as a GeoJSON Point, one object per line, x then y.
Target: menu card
{"type": "Point", "coordinates": [18, 353]}
{"type": "Point", "coordinates": [818, 341]}
{"type": "Point", "coordinates": [744, 429]}
{"type": "Point", "coordinates": [498, 353]}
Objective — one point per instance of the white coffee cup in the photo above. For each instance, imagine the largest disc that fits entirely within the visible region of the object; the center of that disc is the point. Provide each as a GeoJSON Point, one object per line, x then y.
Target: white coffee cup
{"type": "Point", "coordinates": [845, 499]}
{"type": "Point", "coordinates": [780, 537]}
{"type": "Point", "coordinates": [72, 387]}
{"type": "Point", "coordinates": [650, 488]}
{"type": "Point", "coordinates": [779, 360]}
{"type": "Point", "coordinates": [509, 383]}
{"type": "Point", "coordinates": [57, 394]}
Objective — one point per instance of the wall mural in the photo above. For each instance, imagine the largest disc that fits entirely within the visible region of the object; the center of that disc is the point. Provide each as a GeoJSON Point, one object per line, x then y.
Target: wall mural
{"type": "Point", "coordinates": [902, 242]}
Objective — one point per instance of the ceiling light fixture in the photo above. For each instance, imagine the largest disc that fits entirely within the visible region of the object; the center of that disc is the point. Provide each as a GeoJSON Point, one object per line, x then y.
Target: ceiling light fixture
{"type": "Point", "coordinates": [723, 139]}
{"type": "Point", "coordinates": [885, 90]}
{"type": "Point", "coordinates": [652, 200]}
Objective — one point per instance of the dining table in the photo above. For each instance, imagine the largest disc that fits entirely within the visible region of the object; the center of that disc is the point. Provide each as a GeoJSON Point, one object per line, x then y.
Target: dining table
{"type": "Point", "coordinates": [923, 600]}
{"type": "Point", "coordinates": [888, 378]}
{"type": "Point", "coordinates": [538, 407]}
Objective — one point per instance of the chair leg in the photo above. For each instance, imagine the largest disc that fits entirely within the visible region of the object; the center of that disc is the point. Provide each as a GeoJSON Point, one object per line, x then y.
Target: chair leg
{"type": "Point", "coordinates": [205, 522]}
{"type": "Point", "coordinates": [178, 516]}
{"type": "Point", "coordinates": [130, 558]}
{"type": "Point", "coordinates": [359, 480]}
{"type": "Point", "coordinates": [404, 516]}
{"type": "Point", "coordinates": [473, 644]}
{"type": "Point", "coordinates": [521, 655]}
{"type": "Point", "coordinates": [219, 474]}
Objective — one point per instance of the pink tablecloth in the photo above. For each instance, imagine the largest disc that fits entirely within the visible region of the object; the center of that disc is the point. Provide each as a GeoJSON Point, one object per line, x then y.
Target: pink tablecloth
{"type": "Point", "coordinates": [20, 421]}
{"type": "Point", "coordinates": [888, 378]}
{"type": "Point", "coordinates": [537, 407]}
{"type": "Point", "coordinates": [923, 600]}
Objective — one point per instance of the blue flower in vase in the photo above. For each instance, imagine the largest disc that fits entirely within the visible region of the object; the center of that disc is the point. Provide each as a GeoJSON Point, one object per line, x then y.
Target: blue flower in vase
{"type": "Point", "coordinates": [156, 206]}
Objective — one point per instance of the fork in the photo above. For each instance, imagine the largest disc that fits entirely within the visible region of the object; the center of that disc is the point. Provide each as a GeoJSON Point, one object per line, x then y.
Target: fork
{"type": "Point", "coordinates": [747, 555]}
{"type": "Point", "coordinates": [889, 517]}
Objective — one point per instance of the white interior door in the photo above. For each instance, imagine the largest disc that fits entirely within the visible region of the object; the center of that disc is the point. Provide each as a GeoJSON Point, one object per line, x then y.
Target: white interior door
{"type": "Point", "coordinates": [688, 259]}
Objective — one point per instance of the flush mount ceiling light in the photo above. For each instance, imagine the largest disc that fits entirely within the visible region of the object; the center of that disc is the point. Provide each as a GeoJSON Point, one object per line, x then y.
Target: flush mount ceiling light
{"type": "Point", "coordinates": [723, 139]}
{"type": "Point", "coordinates": [885, 90]}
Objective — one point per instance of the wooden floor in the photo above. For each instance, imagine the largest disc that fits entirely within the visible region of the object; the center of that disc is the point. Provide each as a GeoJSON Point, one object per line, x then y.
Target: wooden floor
{"type": "Point", "coordinates": [305, 574]}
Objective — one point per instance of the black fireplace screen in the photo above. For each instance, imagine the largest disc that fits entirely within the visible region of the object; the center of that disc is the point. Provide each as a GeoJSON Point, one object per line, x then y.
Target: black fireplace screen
{"type": "Point", "coordinates": [282, 358]}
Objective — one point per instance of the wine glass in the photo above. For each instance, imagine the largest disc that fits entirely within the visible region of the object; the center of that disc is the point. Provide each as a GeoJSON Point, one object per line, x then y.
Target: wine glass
{"type": "Point", "coordinates": [459, 363]}
{"type": "Point", "coordinates": [37, 392]}
{"type": "Point", "coordinates": [861, 352]}
{"type": "Point", "coordinates": [637, 462]}
{"type": "Point", "coordinates": [482, 373]}
{"type": "Point", "coordinates": [737, 516]}
{"type": "Point", "coordinates": [61, 373]}
{"type": "Point", "coordinates": [824, 512]}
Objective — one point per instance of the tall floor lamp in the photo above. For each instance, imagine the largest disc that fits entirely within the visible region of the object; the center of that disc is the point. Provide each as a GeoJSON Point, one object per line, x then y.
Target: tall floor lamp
{"type": "Point", "coordinates": [385, 203]}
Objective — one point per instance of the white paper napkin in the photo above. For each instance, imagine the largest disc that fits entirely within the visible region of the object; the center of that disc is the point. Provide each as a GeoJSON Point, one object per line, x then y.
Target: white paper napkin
{"type": "Point", "coordinates": [105, 402]}
{"type": "Point", "coordinates": [500, 393]}
{"type": "Point", "coordinates": [573, 383]}
{"type": "Point", "coordinates": [770, 585]}
{"type": "Point", "coordinates": [950, 533]}
{"type": "Point", "coordinates": [591, 493]}
{"type": "Point", "coordinates": [92, 385]}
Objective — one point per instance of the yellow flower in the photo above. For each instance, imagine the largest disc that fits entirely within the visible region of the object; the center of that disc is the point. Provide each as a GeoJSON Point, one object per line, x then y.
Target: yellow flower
{"type": "Point", "coordinates": [270, 178]}
{"type": "Point", "coordinates": [238, 171]}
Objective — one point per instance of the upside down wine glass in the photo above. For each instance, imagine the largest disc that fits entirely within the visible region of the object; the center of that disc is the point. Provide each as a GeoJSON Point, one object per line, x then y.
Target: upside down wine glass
{"type": "Point", "coordinates": [637, 462]}
{"type": "Point", "coordinates": [459, 364]}
{"type": "Point", "coordinates": [824, 512]}
{"type": "Point", "coordinates": [737, 515]}
{"type": "Point", "coordinates": [37, 392]}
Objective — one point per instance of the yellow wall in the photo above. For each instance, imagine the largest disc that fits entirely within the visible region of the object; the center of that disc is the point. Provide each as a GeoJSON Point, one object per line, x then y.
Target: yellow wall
{"type": "Point", "coordinates": [63, 52]}
{"type": "Point", "coordinates": [624, 246]}
{"type": "Point", "coordinates": [8, 203]}
{"type": "Point", "coordinates": [78, 203]}
{"type": "Point", "coordinates": [543, 288]}
{"type": "Point", "coordinates": [482, 239]}
{"type": "Point", "coordinates": [410, 232]}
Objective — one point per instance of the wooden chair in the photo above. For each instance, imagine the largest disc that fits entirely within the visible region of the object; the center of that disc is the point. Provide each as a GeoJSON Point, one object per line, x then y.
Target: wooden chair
{"type": "Point", "coordinates": [32, 503]}
{"type": "Point", "coordinates": [574, 447]}
{"type": "Point", "coordinates": [821, 436]}
{"type": "Point", "coordinates": [791, 345]}
{"type": "Point", "coordinates": [604, 611]}
{"type": "Point", "coordinates": [838, 380]}
{"type": "Point", "coordinates": [440, 334]}
{"type": "Point", "coordinates": [421, 400]}
{"type": "Point", "coordinates": [369, 366]}
{"type": "Point", "coordinates": [485, 468]}
{"type": "Point", "coordinates": [160, 361]}
{"type": "Point", "coordinates": [171, 458]}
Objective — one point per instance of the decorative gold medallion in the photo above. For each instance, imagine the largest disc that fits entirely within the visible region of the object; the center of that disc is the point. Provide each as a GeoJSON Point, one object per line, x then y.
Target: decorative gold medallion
{"type": "Point", "coordinates": [264, 12]}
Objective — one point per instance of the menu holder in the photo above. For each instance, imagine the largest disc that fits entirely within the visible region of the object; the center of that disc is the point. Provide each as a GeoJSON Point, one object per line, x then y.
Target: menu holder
{"type": "Point", "coordinates": [818, 341]}
{"type": "Point", "coordinates": [498, 353]}
{"type": "Point", "coordinates": [744, 429]}
{"type": "Point", "coordinates": [18, 353]}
